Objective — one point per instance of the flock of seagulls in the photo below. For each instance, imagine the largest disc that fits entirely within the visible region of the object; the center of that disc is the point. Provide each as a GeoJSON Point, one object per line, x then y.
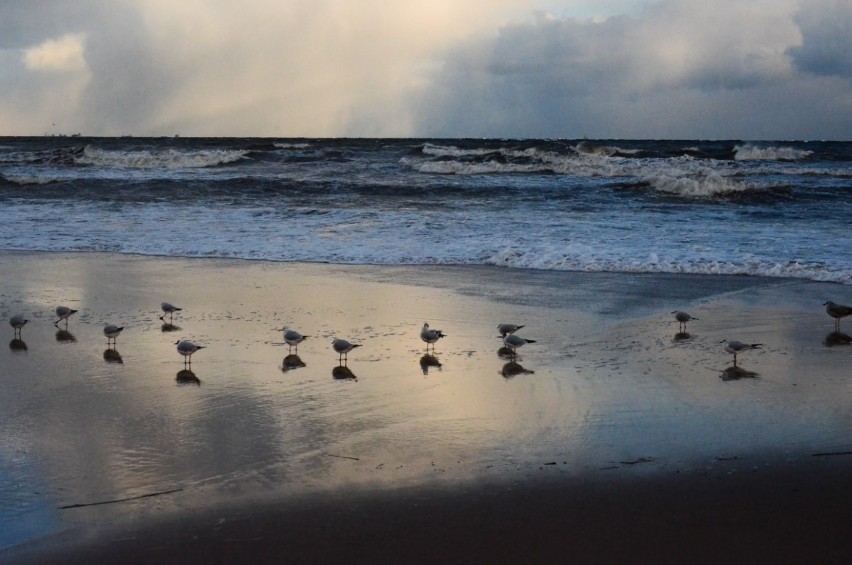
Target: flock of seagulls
{"type": "Point", "coordinates": [430, 336]}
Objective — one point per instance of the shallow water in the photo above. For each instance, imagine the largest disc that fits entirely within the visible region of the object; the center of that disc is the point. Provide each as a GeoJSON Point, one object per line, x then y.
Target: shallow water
{"type": "Point", "coordinates": [603, 389]}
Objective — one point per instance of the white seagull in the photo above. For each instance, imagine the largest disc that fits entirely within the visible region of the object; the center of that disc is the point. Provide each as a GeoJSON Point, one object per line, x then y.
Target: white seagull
{"type": "Point", "coordinates": [734, 347]}
{"type": "Point", "coordinates": [506, 329]}
{"type": "Point", "coordinates": [63, 312]}
{"type": "Point", "coordinates": [293, 338]}
{"type": "Point", "coordinates": [682, 318]}
{"type": "Point", "coordinates": [430, 336]}
{"type": "Point", "coordinates": [18, 322]}
{"type": "Point", "coordinates": [837, 311]}
{"type": "Point", "coordinates": [111, 332]}
{"type": "Point", "coordinates": [343, 347]}
{"type": "Point", "coordinates": [187, 348]}
{"type": "Point", "coordinates": [513, 342]}
{"type": "Point", "coordinates": [169, 309]}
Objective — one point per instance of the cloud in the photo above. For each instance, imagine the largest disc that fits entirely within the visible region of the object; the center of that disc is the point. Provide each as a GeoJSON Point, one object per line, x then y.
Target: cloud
{"type": "Point", "coordinates": [678, 68]}
{"type": "Point", "coordinates": [635, 68]}
{"type": "Point", "coordinates": [826, 48]}
{"type": "Point", "coordinates": [62, 54]}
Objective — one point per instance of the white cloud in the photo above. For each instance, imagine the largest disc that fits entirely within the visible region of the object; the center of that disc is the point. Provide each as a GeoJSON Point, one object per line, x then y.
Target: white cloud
{"type": "Point", "coordinates": [65, 54]}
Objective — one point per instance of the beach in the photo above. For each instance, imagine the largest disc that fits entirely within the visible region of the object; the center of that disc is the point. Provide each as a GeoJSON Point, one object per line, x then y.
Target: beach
{"type": "Point", "coordinates": [612, 438]}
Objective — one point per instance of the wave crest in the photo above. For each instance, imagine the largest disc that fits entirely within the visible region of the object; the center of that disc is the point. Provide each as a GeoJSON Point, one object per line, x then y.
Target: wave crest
{"type": "Point", "coordinates": [586, 260]}
{"type": "Point", "coordinates": [750, 152]}
{"type": "Point", "coordinates": [704, 184]}
{"type": "Point", "coordinates": [159, 159]}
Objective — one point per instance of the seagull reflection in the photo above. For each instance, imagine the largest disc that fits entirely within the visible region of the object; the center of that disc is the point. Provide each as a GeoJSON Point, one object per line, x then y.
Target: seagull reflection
{"type": "Point", "coordinates": [187, 377]}
{"type": "Point", "coordinates": [17, 345]}
{"type": "Point", "coordinates": [64, 336]}
{"type": "Point", "coordinates": [506, 353]}
{"type": "Point", "coordinates": [292, 361]}
{"type": "Point", "coordinates": [342, 372]}
{"type": "Point", "coordinates": [734, 373]}
{"type": "Point", "coordinates": [682, 336]}
{"type": "Point", "coordinates": [112, 356]}
{"type": "Point", "coordinates": [837, 338]}
{"type": "Point", "coordinates": [429, 361]}
{"type": "Point", "coordinates": [169, 327]}
{"type": "Point", "coordinates": [513, 369]}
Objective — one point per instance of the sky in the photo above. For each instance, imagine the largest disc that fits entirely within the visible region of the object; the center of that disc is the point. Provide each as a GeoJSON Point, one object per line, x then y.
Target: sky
{"type": "Point", "coordinates": [686, 69]}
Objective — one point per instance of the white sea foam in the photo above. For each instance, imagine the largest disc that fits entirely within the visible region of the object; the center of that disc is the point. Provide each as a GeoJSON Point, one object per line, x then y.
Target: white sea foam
{"type": "Point", "coordinates": [681, 176]}
{"type": "Point", "coordinates": [159, 159]}
{"type": "Point", "coordinates": [657, 262]}
{"type": "Point", "coordinates": [478, 168]}
{"type": "Point", "coordinates": [606, 150]}
{"type": "Point", "coordinates": [29, 178]}
{"type": "Point", "coordinates": [706, 183]}
{"type": "Point", "coordinates": [291, 145]}
{"type": "Point", "coordinates": [750, 152]}
{"type": "Point", "coordinates": [453, 151]}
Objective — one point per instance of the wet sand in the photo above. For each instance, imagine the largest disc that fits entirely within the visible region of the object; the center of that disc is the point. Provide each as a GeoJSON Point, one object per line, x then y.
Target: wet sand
{"type": "Point", "coordinates": [612, 438]}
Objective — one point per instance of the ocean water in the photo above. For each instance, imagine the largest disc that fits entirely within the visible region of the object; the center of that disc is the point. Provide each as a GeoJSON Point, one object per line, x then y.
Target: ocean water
{"type": "Point", "coordinates": [773, 208]}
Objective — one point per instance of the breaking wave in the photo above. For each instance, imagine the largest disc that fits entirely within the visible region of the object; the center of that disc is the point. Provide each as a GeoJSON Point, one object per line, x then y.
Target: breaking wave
{"type": "Point", "coordinates": [159, 159]}
{"type": "Point", "coordinates": [749, 152]}
{"type": "Point", "coordinates": [590, 261]}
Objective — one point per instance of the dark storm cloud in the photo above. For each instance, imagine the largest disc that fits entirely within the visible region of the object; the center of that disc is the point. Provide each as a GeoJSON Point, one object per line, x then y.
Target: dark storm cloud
{"type": "Point", "coordinates": [826, 38]}
{"type": "Point", "coordinates": [677, 69]}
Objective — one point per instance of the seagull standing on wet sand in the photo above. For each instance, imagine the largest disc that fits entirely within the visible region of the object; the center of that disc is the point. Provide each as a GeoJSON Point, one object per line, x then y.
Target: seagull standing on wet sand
{"type": "Point", "coordinates": [63, 312]}
{"type": "Point", "coordinates": [343, 347]}
{"type": "Point", "coordinates": [682, 318]}
{"type": "Point", "coordinates": [506, 329]}
{"type": "Point", "coordinates": [430, 336]}
{"type": "Point", "coordinates": [837, 311]}
{"type": "Point", "coordinates": [111, 332]}
{"type": "Point", "coordinates": [187, 348]}
{"type": "Point", "coordinates": [733, 346]}
{"type": "Point", "coordinates": [169, 309]}
{"type": "Point", "coordinates": [514, 342]}
{"type": "Point", "coordinates": [293, 338]}
{"type": "Point", "coordinates": [18, 322]}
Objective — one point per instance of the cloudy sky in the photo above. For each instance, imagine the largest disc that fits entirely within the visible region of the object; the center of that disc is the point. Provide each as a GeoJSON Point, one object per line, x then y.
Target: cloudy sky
{"type": "Point", "coordinates": [746, 69]}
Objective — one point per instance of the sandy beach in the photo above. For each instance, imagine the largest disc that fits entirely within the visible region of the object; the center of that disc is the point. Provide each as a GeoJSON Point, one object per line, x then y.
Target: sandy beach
{"type": "Point", "coordinates": [612, 438]}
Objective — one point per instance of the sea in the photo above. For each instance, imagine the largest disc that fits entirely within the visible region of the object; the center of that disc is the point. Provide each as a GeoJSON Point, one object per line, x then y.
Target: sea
{"type": "Point", "coordinates": [767, 208]}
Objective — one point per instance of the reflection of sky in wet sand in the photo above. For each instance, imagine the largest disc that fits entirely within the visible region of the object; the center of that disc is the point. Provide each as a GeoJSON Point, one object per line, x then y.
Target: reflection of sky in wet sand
{"type": "Point", "coordinates": [77, 429]}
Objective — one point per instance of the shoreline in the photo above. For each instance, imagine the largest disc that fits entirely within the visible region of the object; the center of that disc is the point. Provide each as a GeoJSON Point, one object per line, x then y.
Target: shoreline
{"type": "Point", "coordinates": [610, 407]}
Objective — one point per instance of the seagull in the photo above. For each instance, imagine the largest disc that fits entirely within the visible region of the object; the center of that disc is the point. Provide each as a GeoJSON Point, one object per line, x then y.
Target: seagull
{"type": "Point", "coordinates": [430, 336]}
{"type": "Point", "coordinates": [293, 338]}
{"type": "Point", "coordinates": [111, 332]}
{"type": "Point", "coordinates": [837, 311]}
{"type": "Point", "coordinates": [18, 322]}
{"type": "Point", "coordinates": [187, 348]}
{"type": "Point", "coordinates": [506, 329]}
{"type": "Point", "coordinates": [733, 346]}
{"type": "Point", "coordinates": [682, 318]}
{"type": "Point", "coordinates": [169, 309]}
{"type": "Point", "coordinates": [63, 312]}
{"type": "Point", "coordinates": [513, 342]}
{"type": "Point", "coordinates": [343, 347]}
